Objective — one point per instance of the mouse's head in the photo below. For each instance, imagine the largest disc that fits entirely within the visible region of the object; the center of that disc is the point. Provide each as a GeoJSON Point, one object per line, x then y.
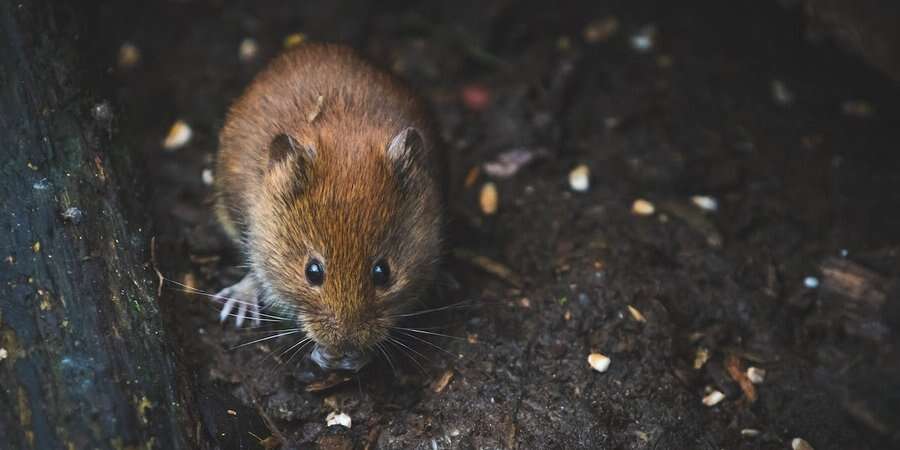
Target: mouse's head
{"type": "Point", "coordinates": [347, 238]}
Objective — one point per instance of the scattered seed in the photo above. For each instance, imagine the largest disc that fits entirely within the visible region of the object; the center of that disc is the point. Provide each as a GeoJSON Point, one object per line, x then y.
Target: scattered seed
{"type": "Point", "coordinates": [749, 432]}
{"type": "Point", "coordinates": [524, 302]}
{"type": "Point", "coordinates": [567, 315]}
{"type": "Point", "coordinates": [636, 314]}
{"type": "Point", "coordinates": [129, 55]}
{"type": "Point", "coordinates": [338, 418]}
{"type": "Point", "coordinates": [293, 40]}
{"type": "Point", "coordinates": [509, 163]}
{"type": "Point", "coordinates": [472, 338]}
{"type": "Point", "coordinates": [811, 282]}
{"type": "Point", "coordinates": [756, 375]}
{"type": "Point", "coordinates": [600, 30]}
{"type": "Point", "coordinates": [580, 178]}
{"type": "Point", "coordinates": [179, 135]}
{"type": "Point", "coordinates": [642, 207]}
{"type": "Point", "coordinates": [705, 202]}
{"type": "Point", "coordinates": [781, 94]}
{"type": "Point", "coordinates": [232, 412]}
{"type": "Point", "coordinates": [248, 49]}
{"type": "Point", "coordinates": [598, 362]}
{"type": "Point", "coordinates": [857, 108]}
{"type": "Point", "coordinates": [713, 398]}
{"type": "Point", "coordinates": [36, 247]}
{"type": "Point", "coordinates": [3, 354]}
{"type": "Point", "coordinates": [31, 166]}
{"type": "Point", "coordinates": [207, 177]}
{"type": "Point", "coordinates": [488, 199]}
{"type": "Point", "coordinates": [701, 357]}
{"type": "Point", "coordinates": [800, 444]}
{"type": "Point", "coordinates": [442, 382]}
{"type": "Point", "coordinates": [643, 40]}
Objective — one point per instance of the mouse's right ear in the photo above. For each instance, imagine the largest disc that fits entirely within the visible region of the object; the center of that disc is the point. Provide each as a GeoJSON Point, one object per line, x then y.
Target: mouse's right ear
{"type": "Point", "coordinates": [283, 146]}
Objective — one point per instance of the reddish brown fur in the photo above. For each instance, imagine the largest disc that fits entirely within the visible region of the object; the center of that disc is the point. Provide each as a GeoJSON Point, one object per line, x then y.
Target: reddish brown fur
{"type": "Point", "coordinates": [343, 201]}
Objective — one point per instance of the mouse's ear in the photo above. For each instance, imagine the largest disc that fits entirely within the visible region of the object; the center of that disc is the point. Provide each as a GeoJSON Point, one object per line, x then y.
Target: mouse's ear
{"type": "Point", "coordinates": [406, 148]}
{"type": "Point", "coordinates": [283, 146]}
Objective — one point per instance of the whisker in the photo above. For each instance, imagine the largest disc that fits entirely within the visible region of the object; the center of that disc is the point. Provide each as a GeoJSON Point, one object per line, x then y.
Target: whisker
{"type": "Point", "coordinates": [387, 357]}
{"type": "Point", "coordinates": [397, 342]}
{"type": "Point", "coordinates": [432, 333]}
{"type": "Point", "coordinates": [193, 290]}
{"type": "Point", "coordinates": [429, 343]}
{"type": "Point", "coordinates": [296, 352]}
{"type": "Point", "coordinates": [459, 305]}
{"type": "Point", "coordinates": [297, 330]}
{"type": "Point", "coordinates": [299, 343]}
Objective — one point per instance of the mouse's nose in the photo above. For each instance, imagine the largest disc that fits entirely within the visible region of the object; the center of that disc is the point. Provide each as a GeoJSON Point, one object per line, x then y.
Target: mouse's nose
{"type": "Point", "coordinates": [349, 360]}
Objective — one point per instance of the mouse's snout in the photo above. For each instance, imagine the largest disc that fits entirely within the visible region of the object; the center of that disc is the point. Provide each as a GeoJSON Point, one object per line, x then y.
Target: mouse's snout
{"type": "Point", "coordinates": [348, 360]}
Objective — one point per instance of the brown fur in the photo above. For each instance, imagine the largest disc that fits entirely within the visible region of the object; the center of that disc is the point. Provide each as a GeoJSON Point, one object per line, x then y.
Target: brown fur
{"type": "Point", "coordinates": [338, 196]}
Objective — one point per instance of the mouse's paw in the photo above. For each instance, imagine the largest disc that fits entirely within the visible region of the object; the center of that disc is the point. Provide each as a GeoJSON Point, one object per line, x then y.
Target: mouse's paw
{"type": "Point", "coordinates": [241, 301]}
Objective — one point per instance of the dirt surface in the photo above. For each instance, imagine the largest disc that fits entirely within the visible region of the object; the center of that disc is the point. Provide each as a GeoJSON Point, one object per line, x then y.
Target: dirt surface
{"type": "Point", "coordinates": [796, 142]}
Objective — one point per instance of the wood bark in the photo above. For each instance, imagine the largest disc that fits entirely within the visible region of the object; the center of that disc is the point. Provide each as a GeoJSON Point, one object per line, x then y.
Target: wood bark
{"type": "Point", "coordinates": [83, 357]}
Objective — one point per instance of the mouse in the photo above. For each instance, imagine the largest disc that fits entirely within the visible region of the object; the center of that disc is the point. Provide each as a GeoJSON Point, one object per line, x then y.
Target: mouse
{"type": "Point", "coordinates": [328, 180]}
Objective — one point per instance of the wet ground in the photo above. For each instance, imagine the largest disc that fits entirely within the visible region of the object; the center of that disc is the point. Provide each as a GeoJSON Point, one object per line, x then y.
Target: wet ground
{"type": "Point", "coordinates": [795, 142]}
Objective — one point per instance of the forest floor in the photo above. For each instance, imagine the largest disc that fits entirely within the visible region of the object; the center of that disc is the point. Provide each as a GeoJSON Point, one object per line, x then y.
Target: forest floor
{"type": "Point", "coordinates": [795, 271]}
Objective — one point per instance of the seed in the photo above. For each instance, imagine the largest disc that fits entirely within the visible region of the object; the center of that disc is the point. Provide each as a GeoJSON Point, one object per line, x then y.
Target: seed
{"type": "Point", "coordinates": [207, 177]}
{"type": "Point", "coordinates": [601, 30]}
{"type": "Point", "coordinates": [636, 314]}
{"type": "Point", "coordinates": [800, 444]}
{"type": "Point", "coordinates": [749, 432]}
{"type": "Point", "coordinates": [248, 49]}
{"type": "Point", "coordinates": [488, 198]}
{"type": "Point", "coordinates": [338, 418]}
{"type": "Point", "coordinates": [599, 362]}
{"type": "Point", "coordinates": [701, 357]}
{"type": "Point", "coordinates": [178, 136]}
{"type": "Point", "coordinates": [580, 178]}
{"type": "Point", "coordinates": [705, 202]}
{"type": "Point", "coordinates": [642, 207]}
{"type": "Point", "coordinates": [811, 282]}
{"type": "Point", "coordinates": [713, 398]}
{"type": "Point", "coordinates": [756, 375]}
{"type": "Point", "coordinates": [293, 40]}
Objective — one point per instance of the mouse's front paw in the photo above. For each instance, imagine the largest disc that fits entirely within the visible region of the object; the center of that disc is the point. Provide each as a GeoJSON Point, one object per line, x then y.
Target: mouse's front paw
{"type": "Point", "coordinates": [242, 297]}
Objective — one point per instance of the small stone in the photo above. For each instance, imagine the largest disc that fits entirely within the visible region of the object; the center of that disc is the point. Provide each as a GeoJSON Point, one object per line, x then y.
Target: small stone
{"type": "Point", "coordinates": [642, 207]}
{"type": "Point", "coordinates": [636, 314]}
{"type": "Point", "coordinates": [811, 282]}
{"type": "Point", "coordinates": [248, 49]}
{"type": "Point", "coordinates": [749, 432]}
{"type": "Point", "coordinates": [756, 375]}
{"type": "Point", "coordinates": [600, 30]}
{"type": "Point", "coordinates": [293, 40]}
{"type": "Point", "coordinates": [598, 362]}
{"type": "Point", "coordinates": [488, 199]}
{"type": "Point", "coordinates": [800, 444]}
{"type": "Point", "coordinates": [73, 214]}
{"type": "Point", "coordinates": [338, 418]}
{"type": "Point", "coordinates": [524, 302]}
{"type": "Point", "coordinates": [705, 202]}
{"type": "Point", "coordinates": [207, 177]}
{"type": "Point", "coordinates": [3, 354]}
{"type": "Point", "coordinates": [179, 135]}
{"type": "Point", "coordinates": [129, 55]}
{"type": "Point", "coordinates": [781, 94]}
{"type": "Point", "coordinates": [231, 412]}
{"type": "Point", "coordinates": [643, 40]}
{"type": "Point", "coordinates": [713, 398]}
{"type": "Point", "coordinates": [580, 178]}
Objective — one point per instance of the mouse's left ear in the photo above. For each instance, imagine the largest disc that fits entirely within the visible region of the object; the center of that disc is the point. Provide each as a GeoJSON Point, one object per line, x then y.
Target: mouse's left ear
{"type": "Point", "coordinates": [407, 147]}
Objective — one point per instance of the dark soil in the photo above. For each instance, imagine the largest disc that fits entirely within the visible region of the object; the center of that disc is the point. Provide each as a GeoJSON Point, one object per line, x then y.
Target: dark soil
{"type": "Point", "coordinates": [800, 186]}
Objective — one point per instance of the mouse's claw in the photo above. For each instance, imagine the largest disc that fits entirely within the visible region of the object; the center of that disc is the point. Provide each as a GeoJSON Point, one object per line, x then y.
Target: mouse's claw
{"type": "Point", "coordinates": [242, 295]}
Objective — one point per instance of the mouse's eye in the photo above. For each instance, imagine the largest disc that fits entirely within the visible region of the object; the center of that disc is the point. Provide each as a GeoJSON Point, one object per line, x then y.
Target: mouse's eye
{"type": "Point", "coordinates": [315, 273]}
{"type": "Point", "coordinates": [381, 273]}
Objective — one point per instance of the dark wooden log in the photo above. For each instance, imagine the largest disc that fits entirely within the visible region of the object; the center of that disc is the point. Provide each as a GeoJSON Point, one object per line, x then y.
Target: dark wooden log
{"type": "Point", "coordinates": [83, 357]}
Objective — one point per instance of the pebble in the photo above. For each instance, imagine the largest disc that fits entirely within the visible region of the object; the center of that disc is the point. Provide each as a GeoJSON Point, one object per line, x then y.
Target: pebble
{"type": "Point", "coordinates": [756, 375]}
{"type": "Point", "coordinates": [705, 202]}
{"type": "Point", "coordinates": [701, 357]}
{"type": "Point", "coordinates": [800, 444]}
{"type": "Point", "coordinates": [179, 135]}
{"type": "Point", "coordinates": [599, 362]}
{"type": "Point", "coordinates": [642, 207]}
{"type": "Point", "coordinates": [811, 282]}
{"type": "Point", "coordinates": [248, 49]}
{"type": "Point", "coordinates": [207, 177]}
{"type": "Point", "coordinates": [580, 178]}
{"type": "Point", "coordinates": [338, 418]}
{"type": "Point", "coordinates": [3, 354]}
{"type": "Point", "coordinates": [129, 55]}
{"type": "Point", "coordinates": [781, 94]}
{"type": "Point", "coordinates": [713, 398]}
{"type": "Point", "coordinates": [488, 199]}
{"type": "Point", "coordinates": [73, 214]}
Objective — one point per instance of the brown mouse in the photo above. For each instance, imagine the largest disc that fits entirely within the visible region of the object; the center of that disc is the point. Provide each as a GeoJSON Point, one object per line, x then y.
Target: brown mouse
{"type": "Point", "coordinates": [327, 179]}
